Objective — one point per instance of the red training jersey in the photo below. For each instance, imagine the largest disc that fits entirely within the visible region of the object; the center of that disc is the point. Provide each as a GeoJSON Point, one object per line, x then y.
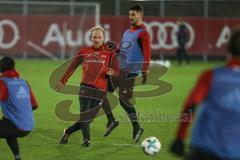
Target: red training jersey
{"type": "Point", "coordinates": [95, 63]}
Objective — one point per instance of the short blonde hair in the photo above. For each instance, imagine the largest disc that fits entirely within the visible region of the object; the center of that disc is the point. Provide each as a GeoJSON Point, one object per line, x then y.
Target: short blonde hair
{"type": "Point", "coordinates": [97, 28]}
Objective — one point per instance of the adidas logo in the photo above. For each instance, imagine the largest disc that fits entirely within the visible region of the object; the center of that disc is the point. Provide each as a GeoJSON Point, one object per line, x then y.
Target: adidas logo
{"type": "Point", "coordinates": [22, 93]}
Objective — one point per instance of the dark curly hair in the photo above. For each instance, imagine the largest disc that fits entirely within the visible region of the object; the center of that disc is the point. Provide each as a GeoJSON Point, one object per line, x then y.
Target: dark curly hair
{"type": "Point", "coordinates": [6, 63]}
{"type": "Point", "coordinates": [138, 8]}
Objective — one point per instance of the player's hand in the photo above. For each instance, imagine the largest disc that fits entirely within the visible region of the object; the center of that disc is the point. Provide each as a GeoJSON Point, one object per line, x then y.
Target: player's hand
{"type": "Point", "coordinates": [111, 46]}
{"type": "Point", "coordinates": [177, 147]}
{"type": "Point", "coordinates": [144, 77]}
{"type": "Point", "coordinates": [110, 72]}
{"type": "Point", "coordinates": [59, 86]}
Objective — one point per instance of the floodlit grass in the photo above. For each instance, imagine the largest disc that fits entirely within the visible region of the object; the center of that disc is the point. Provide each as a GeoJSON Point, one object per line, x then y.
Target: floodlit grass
{"type": "Point", "coordinates": [43, 142]}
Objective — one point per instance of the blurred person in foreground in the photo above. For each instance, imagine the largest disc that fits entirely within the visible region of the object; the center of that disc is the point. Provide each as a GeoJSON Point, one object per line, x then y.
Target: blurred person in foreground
{"type": "Point", "coordinates": [17, 102]}
{"type": "Point", "coordinates": [215, 135]}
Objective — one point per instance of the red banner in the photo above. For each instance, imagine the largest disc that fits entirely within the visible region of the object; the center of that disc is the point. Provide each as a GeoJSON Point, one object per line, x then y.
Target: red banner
{"type": "Point", "coordinates": [58, 36]}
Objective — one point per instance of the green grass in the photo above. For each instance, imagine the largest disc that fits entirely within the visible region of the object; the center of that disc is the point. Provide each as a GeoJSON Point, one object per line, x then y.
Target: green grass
{"type": "Point", "coordinates": [43, 142]}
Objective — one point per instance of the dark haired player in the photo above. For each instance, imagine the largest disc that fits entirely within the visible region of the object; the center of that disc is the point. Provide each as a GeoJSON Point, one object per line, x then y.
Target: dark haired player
{"type": "Point", "coordinates": [133, 59]}
{"type": "Point", "coordinates": [17, 102]}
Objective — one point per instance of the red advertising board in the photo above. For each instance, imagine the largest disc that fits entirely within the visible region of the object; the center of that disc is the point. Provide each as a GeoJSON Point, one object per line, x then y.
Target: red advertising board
{"type": "Point", "coordinates": [57, 36]}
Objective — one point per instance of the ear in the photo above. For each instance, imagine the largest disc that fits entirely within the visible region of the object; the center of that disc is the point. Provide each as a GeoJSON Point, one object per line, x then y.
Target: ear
{"type": "Point", "coordinates": [90, 37]}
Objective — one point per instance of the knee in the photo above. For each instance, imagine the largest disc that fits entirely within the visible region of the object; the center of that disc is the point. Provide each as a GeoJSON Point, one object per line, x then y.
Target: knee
{"type": "Point", "coordinates": [122, 102]}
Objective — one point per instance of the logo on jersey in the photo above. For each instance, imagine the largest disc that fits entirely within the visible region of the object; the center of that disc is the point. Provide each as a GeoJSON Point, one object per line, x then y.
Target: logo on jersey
{"type": "Point", "coordinates": [95, 53]}
{"type": "Point", "coordinates": [22, 93]}
{"type": "Point", "coordinates": [103, 56]}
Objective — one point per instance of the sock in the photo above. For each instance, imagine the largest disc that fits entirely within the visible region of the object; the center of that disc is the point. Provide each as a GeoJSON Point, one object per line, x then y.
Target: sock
{"type": "Point", "coordinates": [132, 114]}
{"type": "Point", "coordinates": [75, 127]}
{"type": "Point", "coordinates": [107, 109]}
{"type": "Point", "coordinates": [13, 144]}
{"type": "Point", "coordinates": [17, 157]}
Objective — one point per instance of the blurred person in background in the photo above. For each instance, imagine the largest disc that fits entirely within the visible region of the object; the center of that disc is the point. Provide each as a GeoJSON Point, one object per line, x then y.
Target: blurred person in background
{"type": "Point", "coordinates": [182, 39]}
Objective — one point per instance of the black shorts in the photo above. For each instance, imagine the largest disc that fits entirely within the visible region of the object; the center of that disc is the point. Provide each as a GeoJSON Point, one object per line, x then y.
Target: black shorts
{"type": "Point", "coordinates": [90, 99]}
{"type": "Point", "coordinates": [125, 81]}
{"type": "Point", "coordinates": [9, 130]}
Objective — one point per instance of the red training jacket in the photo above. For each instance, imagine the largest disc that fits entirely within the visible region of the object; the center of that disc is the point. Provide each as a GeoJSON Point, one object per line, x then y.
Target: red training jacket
{"type": "Point", "coordinates": [95, 64]}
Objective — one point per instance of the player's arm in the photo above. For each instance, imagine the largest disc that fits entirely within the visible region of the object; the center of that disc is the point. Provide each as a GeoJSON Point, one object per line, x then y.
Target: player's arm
{"type": "Point", "coordinates": [146, 48]}
{"type": "Point", "coordinates": [196, 96]}
{"type": "Point", "coordinates": [145, 44]}
{"type": "Point", "coordinates": [115, 66]}
{"type": "Point", "coordinates": [112, 48]}
{"type": "Point", "coordinates": [32, 98]}
{"type": "Point", "coordinates": [76, 61]}
{"type": "Point", "coordinates": [3, 91]}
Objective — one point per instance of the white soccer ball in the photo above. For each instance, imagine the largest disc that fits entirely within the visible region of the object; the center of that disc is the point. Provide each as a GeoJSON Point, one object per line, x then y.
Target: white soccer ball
{"type": "Point", "coordinates": [151, 146]}
{"type": "Point", "coordinates": [167, 64]}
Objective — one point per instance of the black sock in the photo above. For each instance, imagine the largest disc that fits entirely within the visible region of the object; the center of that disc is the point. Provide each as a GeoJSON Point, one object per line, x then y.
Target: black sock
{"type": "Point", "coordinates": [75, 127]}
{"type": "Point", "coordinates": [107, 109]}
{"type": "Point", "coordinates": [86, 130]}
{"type": "Point", "coordinates": [110, 118]}
{"type": "Point", "coordinates": [17, 157]}
{"type": "Point", "coordinates": [131, 113]}
{"type": "Point", "coordinates": [134, 120]}
{"type": "Point", "coordinates": [13, 144]}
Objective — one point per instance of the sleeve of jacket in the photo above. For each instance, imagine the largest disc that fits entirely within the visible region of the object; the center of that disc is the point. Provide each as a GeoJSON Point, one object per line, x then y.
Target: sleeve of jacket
{"type": "Point", "coordinates": [146, 48]}
{"type": "Point", "coordinates": [196, 96]}
{"type": "Point", "coordinates": [115, 65]}
{"type": "Point", "coordinates": [72, 67]}
{"type": "Point", "coordinates": [3, 91]}
{"type": "Point", "coordinates": [33, 98]}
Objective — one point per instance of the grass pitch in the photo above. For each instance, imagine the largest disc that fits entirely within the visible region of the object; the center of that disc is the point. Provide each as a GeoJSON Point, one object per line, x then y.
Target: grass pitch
{"type": "Point", "coordinates": [156, 116]}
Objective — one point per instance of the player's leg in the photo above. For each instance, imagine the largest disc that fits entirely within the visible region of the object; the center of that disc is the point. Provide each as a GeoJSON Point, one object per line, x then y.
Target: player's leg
{"type": "Point", "coordinates": [185, 55]}
{"type": "Point", "coordinates": [112, 122]}
{"type": "Point", "coordinates": [6, 131]}
{"type": "Point", "coordinates": [107, 110]}
{"type": "Point", "coordinates": [85, 106]}
{"type": "Point", "coordinates": [179, 55]}
{"type": "Point", "coordinates": [10, 132]}
{"type": "Point", "coordinates": [13, 144]}
{"type": "Point", "coordinates": [77, 125]}
{"type": "Point", "coordinates": [93, 106]}
{"type": "Point", "coordinates": [125, 94]}
{"type": "Point", "coordinates": [126, 86]}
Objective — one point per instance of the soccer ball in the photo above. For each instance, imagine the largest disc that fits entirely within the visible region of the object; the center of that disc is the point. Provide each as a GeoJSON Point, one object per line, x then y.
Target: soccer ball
{"type": "Point", "coordinates": [167, 64]}
{"type": "Point", "coordinates": [151, 146]}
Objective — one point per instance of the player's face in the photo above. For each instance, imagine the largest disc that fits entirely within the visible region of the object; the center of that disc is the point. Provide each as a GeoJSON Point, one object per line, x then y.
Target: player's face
{"type": "Point", "coordinates": [97, 38]}
{"type": "Point", "coordinates": [134, 17]}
